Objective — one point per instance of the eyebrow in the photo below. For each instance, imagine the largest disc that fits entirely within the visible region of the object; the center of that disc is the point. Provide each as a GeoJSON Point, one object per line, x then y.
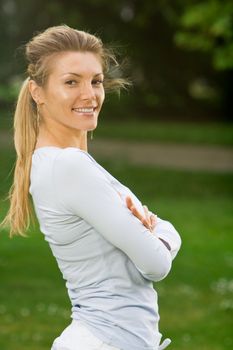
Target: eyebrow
{"type": "Point", "coordinates": [79, 75]}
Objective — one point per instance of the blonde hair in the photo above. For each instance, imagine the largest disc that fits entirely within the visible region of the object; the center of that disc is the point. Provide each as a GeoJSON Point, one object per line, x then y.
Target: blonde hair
{"type": "Point", "coordinates": [38, 51]}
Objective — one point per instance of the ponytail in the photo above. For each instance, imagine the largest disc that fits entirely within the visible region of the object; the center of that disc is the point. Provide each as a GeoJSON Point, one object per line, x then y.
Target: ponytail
{"type": "Point", "coordinates": [20, 212]}
{"type": "Point", "coordinates": [38, 51]}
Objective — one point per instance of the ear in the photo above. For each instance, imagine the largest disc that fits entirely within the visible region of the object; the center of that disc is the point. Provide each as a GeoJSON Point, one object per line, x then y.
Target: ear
{"type": "Point", "coordinates": [35, 91]}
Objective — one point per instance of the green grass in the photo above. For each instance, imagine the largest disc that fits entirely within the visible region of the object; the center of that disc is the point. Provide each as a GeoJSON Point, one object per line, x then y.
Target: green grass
{"type": "Point", "coordinates": [195, 300]}
{"type": "Point", "coordinates": [180, 132]}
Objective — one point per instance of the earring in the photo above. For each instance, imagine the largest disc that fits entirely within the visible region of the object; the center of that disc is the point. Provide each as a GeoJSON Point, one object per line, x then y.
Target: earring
{"type": "Point", "coordinates": [37, 117]}
{"type": "Point", "coordinates": [91, 134]}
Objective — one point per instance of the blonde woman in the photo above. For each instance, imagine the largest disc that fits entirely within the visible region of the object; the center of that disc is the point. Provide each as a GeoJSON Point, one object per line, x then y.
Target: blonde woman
{"type": "Point", "coordinates": [109, 247]}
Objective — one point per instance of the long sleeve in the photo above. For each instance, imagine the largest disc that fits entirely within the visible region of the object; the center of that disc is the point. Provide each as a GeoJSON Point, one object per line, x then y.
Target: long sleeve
{"type": "Point", "coordinates": [163, 229]}
{"type": "Point", "coordinates": [83, 189]}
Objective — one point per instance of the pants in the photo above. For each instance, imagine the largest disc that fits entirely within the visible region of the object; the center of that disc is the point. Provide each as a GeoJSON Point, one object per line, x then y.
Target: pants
{"type": "Point", "coordinates": [77, 337]}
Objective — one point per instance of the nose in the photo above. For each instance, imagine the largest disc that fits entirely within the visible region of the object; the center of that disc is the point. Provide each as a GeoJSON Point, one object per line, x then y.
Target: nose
{"type": "Point", "coordinates": [87, 91]}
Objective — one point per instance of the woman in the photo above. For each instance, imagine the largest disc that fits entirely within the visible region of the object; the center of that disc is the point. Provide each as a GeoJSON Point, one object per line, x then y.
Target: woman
{"type": "Point", "coordinates": [108, 246]}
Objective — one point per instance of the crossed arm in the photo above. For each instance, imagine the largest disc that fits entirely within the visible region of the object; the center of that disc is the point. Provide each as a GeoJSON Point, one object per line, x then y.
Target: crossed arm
{"type": "Point", "coordinates": [149, 220]}
{"type": "Point", "coordinates": [82, 186]}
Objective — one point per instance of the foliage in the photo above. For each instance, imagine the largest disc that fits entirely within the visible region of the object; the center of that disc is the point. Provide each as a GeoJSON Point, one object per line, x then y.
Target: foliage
{"type": "Point", "coordinates": [143, 32]}
{"type": "Point", "coordinates": [207, 26]}
{"type": "Point", "coordinates": [9, 91]}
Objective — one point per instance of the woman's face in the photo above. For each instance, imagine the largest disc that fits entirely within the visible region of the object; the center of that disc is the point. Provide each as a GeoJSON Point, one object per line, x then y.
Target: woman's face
{"type": "Point", "coordinates": [74, 93]}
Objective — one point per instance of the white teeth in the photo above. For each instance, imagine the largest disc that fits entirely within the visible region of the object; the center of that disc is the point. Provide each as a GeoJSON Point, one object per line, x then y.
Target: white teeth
{"type": "Point", "coordinates": [84, 110]}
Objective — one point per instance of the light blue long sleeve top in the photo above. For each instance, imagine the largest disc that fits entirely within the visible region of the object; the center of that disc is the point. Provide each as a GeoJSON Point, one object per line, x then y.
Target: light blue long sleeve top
{"type": "Point", "coordinates": [107, 257]}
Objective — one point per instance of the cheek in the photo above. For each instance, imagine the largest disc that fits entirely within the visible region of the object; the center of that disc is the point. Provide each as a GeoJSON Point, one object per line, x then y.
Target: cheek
{"type": "Point", "coordinates": [101, 96]}
{"type": "Point", "coordinates": [62, 95]}
{"type": "Point", "coordinates": [58, 97]}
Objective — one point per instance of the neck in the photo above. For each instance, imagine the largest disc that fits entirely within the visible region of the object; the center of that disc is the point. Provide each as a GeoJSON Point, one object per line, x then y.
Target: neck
{"type": "Point", "coordinates": [62, 137]}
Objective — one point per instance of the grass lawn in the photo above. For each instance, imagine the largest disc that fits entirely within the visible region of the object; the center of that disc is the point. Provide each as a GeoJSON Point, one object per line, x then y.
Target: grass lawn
{"type": "Point", "coordinates": [157, 131]}
{"type": "Point", "coordinates": [195, 300]}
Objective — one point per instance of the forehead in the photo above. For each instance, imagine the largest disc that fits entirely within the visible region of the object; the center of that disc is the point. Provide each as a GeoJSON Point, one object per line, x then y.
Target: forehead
{"type": "Point", "coordinates": [83, 63]}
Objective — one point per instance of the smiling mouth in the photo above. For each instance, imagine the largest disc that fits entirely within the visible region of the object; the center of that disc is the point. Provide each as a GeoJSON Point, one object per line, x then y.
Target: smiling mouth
{"type": "Point", "coordinates": [85, 110]}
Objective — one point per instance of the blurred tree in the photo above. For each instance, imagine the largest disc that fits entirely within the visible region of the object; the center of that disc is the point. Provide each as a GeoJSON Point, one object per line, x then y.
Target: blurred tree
{"type": "Point", "coordinates": [207, 26]}
{"type": "Point", "coordinates": [143, 31]}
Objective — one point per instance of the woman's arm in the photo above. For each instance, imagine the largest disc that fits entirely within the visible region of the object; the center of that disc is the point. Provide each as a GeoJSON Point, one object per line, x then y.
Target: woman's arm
{"type": "Point", "coordinates": [165, 231]}
{"type": "Point", "coordinates": [83, 189]}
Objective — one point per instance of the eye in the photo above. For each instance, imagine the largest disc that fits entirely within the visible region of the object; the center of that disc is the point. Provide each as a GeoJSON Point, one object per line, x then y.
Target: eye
{"type": "Point", "coordinates": [71, 82]}
{"type": "Point", "coordinates": [97, 82]}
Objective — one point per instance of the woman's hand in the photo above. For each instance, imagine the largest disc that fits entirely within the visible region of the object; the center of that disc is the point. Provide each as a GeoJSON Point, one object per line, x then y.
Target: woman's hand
{"type": "Point", "coordinates": [149, 221]}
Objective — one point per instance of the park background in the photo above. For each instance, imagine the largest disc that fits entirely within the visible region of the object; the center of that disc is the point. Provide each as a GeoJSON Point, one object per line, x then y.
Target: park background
{"type": "Point", "coordinates": [168, 138]}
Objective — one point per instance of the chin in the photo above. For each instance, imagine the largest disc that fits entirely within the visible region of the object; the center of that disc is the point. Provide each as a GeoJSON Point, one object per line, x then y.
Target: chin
{"type": "Point", "coordinates": [93, 127]}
